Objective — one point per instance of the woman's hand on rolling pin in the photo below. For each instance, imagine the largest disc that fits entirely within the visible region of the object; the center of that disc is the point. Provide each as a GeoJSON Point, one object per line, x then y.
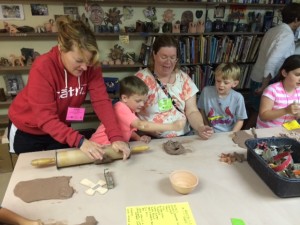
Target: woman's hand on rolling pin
{"type": "Point", "coordinates": [92, 149]}
{"type": "Point", "coordinates": [123, 147]}
{"type": "Point", "coordinates": [31, 222]}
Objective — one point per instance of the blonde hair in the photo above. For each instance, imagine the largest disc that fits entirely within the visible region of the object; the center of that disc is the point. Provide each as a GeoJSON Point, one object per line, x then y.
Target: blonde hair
{"type": "Point", "coordinates": [228, 71]}
{"type": "Point", "coordinates": [74, 33]}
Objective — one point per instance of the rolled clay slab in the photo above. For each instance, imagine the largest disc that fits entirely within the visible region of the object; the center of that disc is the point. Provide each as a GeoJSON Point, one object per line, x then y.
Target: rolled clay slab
{"type": "Point", "coordinates": [44, 189]}
{"type": "Point", "coordinates": [240, 137]}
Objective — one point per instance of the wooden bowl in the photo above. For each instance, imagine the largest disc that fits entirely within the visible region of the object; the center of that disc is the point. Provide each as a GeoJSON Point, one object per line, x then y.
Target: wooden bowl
{"type": "Point", "coordinates": [183, 181]}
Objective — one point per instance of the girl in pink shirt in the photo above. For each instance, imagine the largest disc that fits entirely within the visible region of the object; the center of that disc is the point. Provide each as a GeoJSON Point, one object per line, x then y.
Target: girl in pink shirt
{"type": "Point", "coordinates": [280, 102]}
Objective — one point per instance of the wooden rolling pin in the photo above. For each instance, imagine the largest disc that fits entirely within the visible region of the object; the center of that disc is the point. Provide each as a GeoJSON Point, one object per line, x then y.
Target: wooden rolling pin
{"type": "Point", "coordinates": [77, 157]}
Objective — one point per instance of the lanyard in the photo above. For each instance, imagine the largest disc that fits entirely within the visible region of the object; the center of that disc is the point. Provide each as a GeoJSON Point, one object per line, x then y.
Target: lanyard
{"type": "Point", "coordinates": [163, 87]}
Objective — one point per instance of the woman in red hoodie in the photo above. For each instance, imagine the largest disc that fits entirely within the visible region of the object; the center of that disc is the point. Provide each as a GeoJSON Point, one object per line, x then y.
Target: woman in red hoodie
{"type": "Point", "coordinates": [58, 82]}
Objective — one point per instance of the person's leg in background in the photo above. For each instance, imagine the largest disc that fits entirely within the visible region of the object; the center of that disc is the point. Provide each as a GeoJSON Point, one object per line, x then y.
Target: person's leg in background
{"type": "Point", "coordinates": [253, 106]}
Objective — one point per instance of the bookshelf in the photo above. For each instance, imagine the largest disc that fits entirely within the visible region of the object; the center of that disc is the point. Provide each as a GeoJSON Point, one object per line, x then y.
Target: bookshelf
{"type": "Point", "coordinates": [201, 64]}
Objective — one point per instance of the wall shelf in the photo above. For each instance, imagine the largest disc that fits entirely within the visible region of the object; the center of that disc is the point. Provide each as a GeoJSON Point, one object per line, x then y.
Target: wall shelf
{"type": "Point", "coordinates": [41, 36]}
{"type": "Point", "coordinates": [174, 3]}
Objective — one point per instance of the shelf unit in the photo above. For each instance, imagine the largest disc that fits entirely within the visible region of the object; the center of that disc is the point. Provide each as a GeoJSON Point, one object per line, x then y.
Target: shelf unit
{"type": "Point", "coordinates": [114, 36]}
{"type": "Point", "coordinates": [173, 3]}
{"type": "Point", "coordinates": [52, 36]}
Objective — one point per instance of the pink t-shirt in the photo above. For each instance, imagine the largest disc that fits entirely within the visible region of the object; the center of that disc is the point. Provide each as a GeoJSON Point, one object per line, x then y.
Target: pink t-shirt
{"type": "Point", "coordinates": [125, 117]}
{"type": "Point", "coordinates": [281, 99]}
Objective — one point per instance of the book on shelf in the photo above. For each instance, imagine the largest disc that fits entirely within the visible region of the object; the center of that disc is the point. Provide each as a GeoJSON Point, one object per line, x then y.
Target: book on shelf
{"type": "Point", "coordinates": [247, 45]}
{"type": "Point", "coordinates": [145, 54]}
{"type": "Point", "coordinates": [254, 49]}
{"type": "Point", "coordinates": [202, 46]}
{"type": "Point", "coordinates": [240, 50]}
{"type": "Point", "coordinates": [146, 50]}
{"type": "Point", "coordinates": [234, 50]}
{"type": "Point", "coordinates": [182, 52]}
{"type": "Point", "coordinates": [192, 49]}
{"type": "Point", "coordinates": [229, 46]}
{"type": "Point", "coordinates": [188, 50]}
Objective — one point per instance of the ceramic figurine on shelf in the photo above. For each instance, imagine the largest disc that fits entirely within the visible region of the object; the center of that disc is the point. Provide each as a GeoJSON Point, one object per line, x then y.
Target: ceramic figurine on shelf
{"type": "Point", "coordinates": [130, 58]}
{"type": "Point", "coordinates": [96, 16]}
{"type": "Point", "coordinates": [192, 27]}
{"type": "Point", "coordinates": [40, 29]}
{"type": "Point", "coordinates": [116, 54]}
{"type": "Point", "coordinates": [118, 62]}
{"type": "Point", "coordinates": [11, 28]}
{"type": "Point", "coordinates": [176, 28]}
{"type": "Point", "coordinates": [85, 20]}
{"type": "Point", "coordinates": [4, 62]}
{"type": "Point", "coordinates": [104, 62]}
{"type": "Point", "coordinates": [125, 60]}
{"type": "Point", "coordinates": [114, 18]}
{"type": "Point", "coordinates": [111, 62]}
{"type": "Point", "coordinates": [150, 13]}
{"type": "Point", "coordinates": [200, 27]}
{"type": "Point", "coordinates": [168, 16]}
{"type": "Point", "coordinates": [127, 12]}
{"type": "Point", "coordinates": [17, 60]}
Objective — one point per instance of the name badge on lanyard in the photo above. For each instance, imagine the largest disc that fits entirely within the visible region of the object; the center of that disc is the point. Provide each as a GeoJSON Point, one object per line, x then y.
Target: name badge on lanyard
{"type": "Point", "coordinates": [75, 114]}
{"type": "Point", "coordinates": [165, 104]}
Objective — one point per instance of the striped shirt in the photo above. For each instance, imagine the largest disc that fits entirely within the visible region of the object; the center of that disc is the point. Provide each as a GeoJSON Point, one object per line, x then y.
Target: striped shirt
{"type": "Point", "coordinates": [281, 99]}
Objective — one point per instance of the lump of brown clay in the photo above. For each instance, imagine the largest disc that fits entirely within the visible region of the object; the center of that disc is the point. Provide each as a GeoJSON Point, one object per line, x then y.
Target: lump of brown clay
{"type": "Point", "coordinates": [90, 220]}
{"type": "Point", "coordinates": [44, 189]}
{"type": "Point", "coordinates": [174, 147]}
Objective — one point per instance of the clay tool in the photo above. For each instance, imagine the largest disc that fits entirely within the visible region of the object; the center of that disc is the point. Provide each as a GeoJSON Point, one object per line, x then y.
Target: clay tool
{"type": "Point", "coordinates": [75, 157]}
{"type": "Point", "coordinates": [109, 179]}
{"type": "Point", "coordinates": [254, 132]}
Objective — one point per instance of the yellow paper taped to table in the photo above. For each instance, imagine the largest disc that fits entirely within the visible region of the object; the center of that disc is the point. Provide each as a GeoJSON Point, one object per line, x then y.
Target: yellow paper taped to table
{"type": "Point", "coordinates": [161, 214]}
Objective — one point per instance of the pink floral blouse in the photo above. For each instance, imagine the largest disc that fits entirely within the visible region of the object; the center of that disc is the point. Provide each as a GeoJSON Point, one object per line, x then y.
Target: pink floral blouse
{"type": "Point", "coordinates": [181, 90]}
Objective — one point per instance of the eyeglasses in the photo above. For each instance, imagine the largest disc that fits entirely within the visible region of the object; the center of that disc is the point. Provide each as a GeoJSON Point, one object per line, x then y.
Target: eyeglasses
{"type": "Point", "coordinates": [165, 58]}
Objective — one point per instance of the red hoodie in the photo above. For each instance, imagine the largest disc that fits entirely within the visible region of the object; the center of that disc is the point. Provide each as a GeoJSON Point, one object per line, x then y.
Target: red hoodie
{"type": "Point", "coordinates": [41, 107]}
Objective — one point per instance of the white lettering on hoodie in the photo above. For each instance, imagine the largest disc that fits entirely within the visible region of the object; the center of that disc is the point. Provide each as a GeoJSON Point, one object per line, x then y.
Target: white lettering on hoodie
{"type": "Point", "coordinates": [70, 92]}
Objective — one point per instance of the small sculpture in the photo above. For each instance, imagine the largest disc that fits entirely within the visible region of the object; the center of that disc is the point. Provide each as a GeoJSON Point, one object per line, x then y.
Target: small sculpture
{"type": "Point", "coordinates": [150, 13]}
{"type": "Point", "coordinates": [96, 14]}
{"type": "Point", "coordinates": [168, 16]}
{"type": "Point", "coordinates": [176, 28]}
{"type": "Point", "coordinates": [12, 29]}
{"type": "Point", "coordinates": [127, 12]}
{"type": "Point", "coordinates": [85, 20]}
{"type": "Point", "coordinates": [192, 27]}
{"type": "Point", "coordinates": [200, 27]}
{"type": "Point", "coordinates": [187, 17]}
{"type": "Point", "coordinates": [114, 16]}
{"type": "Point", "coordinates": [116, 53]}
{"type": "Point", "coordinates": [4, 62]}
{"type": "Point", "coordinates": [17, 60]}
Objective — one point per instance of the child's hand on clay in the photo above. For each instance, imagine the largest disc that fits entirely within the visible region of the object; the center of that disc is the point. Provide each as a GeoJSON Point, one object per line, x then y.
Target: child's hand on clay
{"type": "Point", "coordinates": [293, 109]}
{"type": "Point", "coordinates": [145, 139]}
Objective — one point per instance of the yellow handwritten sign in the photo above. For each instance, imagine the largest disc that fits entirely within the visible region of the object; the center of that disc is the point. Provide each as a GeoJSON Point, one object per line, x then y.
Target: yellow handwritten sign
{"type": "Point", "coordinates": [161, 214]}
{"type": "Point", "coordinates": [292, 125]}
{"type": "Point", "coordinates": [124, 39]}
